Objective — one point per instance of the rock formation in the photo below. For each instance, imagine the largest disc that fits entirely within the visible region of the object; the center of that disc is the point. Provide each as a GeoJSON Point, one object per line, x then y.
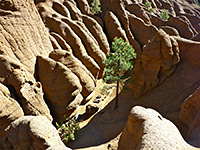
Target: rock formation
{"type": "Point", "coordinates": [51, 54]}
{"type": "Point", "coordinates": [86, 79]}
{"type": "Point", "coordinates": [190, 116]}
{"type": "Point", "coordinates": [61, 87]}
{"type": "Point", "coordinates": [22, 32]}
{"type": "Point", "coordinates": [147, 129]}
{"type": "Point", "coordinates": [10, 110]}
{"type": "Point", "coordinates": [32, 132]}
{"type": "Point", "coordinates": [24, 87]}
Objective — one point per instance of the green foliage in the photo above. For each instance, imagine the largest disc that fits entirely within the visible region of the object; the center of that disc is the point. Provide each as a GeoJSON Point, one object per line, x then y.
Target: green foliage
{"type": "Point", "coordinates": [148, 6]}
{"type": "Point", "coordinates": [105, 90]}
{"type": "Point", "coordinates": [68, 129]}
{"type": "Point", "coordinates": [197, 2]}
{"type": "Point", "coordinates": [96, 9]}
{"type": "Point", "coordinates": [117, 63]}
{"type": "Point", "coordinates": [164, 15]}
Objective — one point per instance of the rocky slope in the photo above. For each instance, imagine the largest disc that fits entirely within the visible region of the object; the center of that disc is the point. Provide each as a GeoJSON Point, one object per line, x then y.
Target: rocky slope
{"type": "Point", "coordinates": [51, 54]}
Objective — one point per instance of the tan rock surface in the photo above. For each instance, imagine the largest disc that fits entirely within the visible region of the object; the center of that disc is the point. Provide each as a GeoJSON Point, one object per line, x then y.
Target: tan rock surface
{"type": "Point", "coordinates": [83, 6]}
{"type": "Point", "coordinates": [97, 32]}
{"type": "Point", "coordinates": [90, 45]}
{"type": "Point", "coordinates": [190, 115]}
{"type": "Point", "coordinates": [10, 110]}
{"type": "Point", "coordinates": [26, 90]}
{"type": "Point", "coordinates": [55, 24]}
{"type": "Point", "coordinates": [86, 79]}
{"type": "Point", "coordinates": [190, 108]}
{"type": "Point", "coordinates": [61, 87]}
{"type": "Point", "coordinates": [112, 22]}
{"type": "Point", "coordinates": [32, 132]}
{"type": "Point", "coordinates": [166, 69]}
{"type": "Point", "coordinates": [147, 129]}
{"type": "Point", "coordinates": [22, 32]}
{"type": "Point", "coordinates": [159, 58]}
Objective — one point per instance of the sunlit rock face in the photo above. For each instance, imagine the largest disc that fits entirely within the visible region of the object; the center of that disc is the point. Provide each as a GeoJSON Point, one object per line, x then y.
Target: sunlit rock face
{"type": "Point", "coordinates": [147, 129]}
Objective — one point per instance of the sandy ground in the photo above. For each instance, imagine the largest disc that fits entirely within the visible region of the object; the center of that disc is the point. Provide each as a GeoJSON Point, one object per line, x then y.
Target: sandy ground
{"type": "Point", "coordinates": [103, 129]}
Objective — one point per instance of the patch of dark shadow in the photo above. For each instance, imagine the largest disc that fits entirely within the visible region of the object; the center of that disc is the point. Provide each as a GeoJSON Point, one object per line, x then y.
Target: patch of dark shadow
{"type": "Point", "coordinates": [59, 8]}
{"type": "Point", "coordinates": [160, 117]}
{"type": "Point", "coordinates": [36, 76]}
{"type": "Point", "coordinates": [15, 66]}
{"type": "Point", "coordinates": [38, 1]}
{"type": "Point", "coordinates": [35, 91]}
{"type": "Point", "coordinates": [14, 94]}
{"type": "Point", "coordinates": [5, 13]}
{"type": "Point", "coordinates": [83, 117]}
{"type": "Point", "coordinates": [7, 5]}
{"type": "Point", "coordinates": [38, 84]}
{"type": "Point", "coordinates": [30, 82]}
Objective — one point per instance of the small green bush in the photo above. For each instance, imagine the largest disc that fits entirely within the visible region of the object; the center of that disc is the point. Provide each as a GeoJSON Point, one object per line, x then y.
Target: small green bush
{"type": "Point", "coordinates": [164, 15]}
{"type": "Point", "coordinates": [197, 2]}
{"type": "Point", "coordinates": [68, 129]}
{"type": "Point", "coordinates": [148, 7]}
{"type": "Point", "coordinates": [105, 90]}
{"type": "Point", "coordinates": [96, 9]}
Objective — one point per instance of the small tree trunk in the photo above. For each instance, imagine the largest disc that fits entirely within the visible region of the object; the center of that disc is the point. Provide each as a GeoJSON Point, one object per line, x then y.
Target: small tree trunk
{"type": "Point", "coordinates": [117, 90]}
{"type": "Point", "coordinates": [117, 95]}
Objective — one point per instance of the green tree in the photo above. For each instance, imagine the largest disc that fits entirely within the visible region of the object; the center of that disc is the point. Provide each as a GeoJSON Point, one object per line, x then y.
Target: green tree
{"type": "Point", "coordinates": [96, 9]}
{"type": "Point", "coordinates": [118, 62]}
{"type": "Point", "coordinates": [164, 15]}
{"type": "Point", "coordinates": [148, 7]}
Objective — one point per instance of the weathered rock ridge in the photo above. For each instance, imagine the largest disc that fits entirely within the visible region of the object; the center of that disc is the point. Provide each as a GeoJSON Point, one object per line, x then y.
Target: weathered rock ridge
{"type": "Point", "coordinates": [147, 129]}
{"type": "Point", "coordinates": [51, 54]}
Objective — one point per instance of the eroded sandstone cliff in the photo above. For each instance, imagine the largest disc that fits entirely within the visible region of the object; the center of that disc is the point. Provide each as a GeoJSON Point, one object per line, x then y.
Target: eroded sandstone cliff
{"type": "Point", "coordinates": [51, 54]}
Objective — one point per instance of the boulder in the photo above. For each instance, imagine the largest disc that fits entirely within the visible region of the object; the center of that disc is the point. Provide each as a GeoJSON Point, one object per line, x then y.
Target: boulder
{"type": "Point", "coordinates": [32, 132]}
{"type": "Point", "coordinates": [10, 110]}
{"type": "Point", "coordinates": [86, 79]}
{"type": "Point", "coordinates": [147, 129]}
{"type": "Point", "coordinates": [61, 87]}
{"type": "Point", "coordinates": [24, 87]}
{"type": "Point", "coordinates": [91, 109]}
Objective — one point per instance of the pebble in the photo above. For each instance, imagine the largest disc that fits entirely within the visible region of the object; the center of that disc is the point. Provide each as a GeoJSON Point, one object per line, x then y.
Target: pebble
{"type": "Point", "coordinates": [96, 101]}
{"type": "Point", "coordinates": [99, 96]}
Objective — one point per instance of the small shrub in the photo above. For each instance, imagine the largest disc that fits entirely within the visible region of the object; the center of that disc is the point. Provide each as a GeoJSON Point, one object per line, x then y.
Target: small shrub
{"type": "Point", "coordinates": [96, 9]}
{"type": "Point", "coordinates": [148, 7]}
{"type": "Point", "coordinates": [164, 15]}
{"type": "Point", "coordinates": [197, 2]}
{"type": "Point", "coordinates": [68, 129]}
{"type": "Point", "coordinates": [105, 90]}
